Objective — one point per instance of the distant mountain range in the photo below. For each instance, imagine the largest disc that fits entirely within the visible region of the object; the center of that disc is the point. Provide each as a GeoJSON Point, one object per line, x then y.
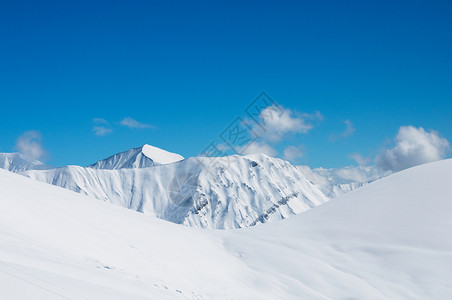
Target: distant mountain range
{"type": "Point", "coordinates": [207, 192]}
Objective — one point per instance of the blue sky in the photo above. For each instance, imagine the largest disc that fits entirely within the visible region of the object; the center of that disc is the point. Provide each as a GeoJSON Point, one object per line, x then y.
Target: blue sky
{"type": "Point", "coordinates": [188, 69]}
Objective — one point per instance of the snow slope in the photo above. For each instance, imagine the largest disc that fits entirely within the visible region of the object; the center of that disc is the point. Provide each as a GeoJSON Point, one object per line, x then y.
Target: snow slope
{"type": "Point", "coordinates": [222, 193]}
{"type": "Point", "coordinates": [16, 162]}
{"type": "Point", "coordinates": [141, 157]}
{"type": "Point", "coordinates": [388, 240]}
{"type": "Point", "coordinates": [57, 244]}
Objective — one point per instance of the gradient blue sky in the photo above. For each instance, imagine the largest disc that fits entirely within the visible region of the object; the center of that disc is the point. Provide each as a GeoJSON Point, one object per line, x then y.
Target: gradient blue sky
{"type": "Point", "coordinates": [189, 68]}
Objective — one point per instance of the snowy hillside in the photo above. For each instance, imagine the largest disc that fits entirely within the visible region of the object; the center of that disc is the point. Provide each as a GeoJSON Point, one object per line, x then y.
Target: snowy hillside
{"type": "Point", "coordinates": [16, 162]}
{"type": "Point", "coordinates": [141, 157]}
{"type": "Point", "coordinates": [57, 244]}
{"type": "Point", "coordinates": [231, 192]}
{"type": "Point", "coordinates": [388, 240]}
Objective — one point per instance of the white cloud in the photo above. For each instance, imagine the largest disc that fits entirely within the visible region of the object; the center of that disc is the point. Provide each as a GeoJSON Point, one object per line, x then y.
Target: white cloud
{"type": "Point", "coordinates": [259, 147]}
{"type": "Point", "coordinates": [132, 123]}
{"type": "Point", "coordinates": [278, 121]}
{"type": "Point", "coordinates": [292, 153]}
{"type": "Point", "coordinates": [413, 146]}
{"type": "Point", "coordinates": [102, 128]}
{"type": "Point", "coordinates": [349, 130]}
{"type": "Point", "coordinates": [102, 131]}
{"type": "Point", "coordinates": [274, 123]}
{"type": "Point", "coordinates": [100, 121]}
{"type": "Point", "coordinates": [360, 160]}
{"type": "Point", "coordinates": [30, 145]}
{"type": "Point", "coordinates": [315, 116]}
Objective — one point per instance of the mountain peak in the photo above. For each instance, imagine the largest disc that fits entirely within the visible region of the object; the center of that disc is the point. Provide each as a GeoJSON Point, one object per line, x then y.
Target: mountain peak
{"type": "Point", "coordinates": [17, 162]}
{"type": "Point", "coordinates": [141, 157]}
{"type": "Point", "coordinates": [160, 156]}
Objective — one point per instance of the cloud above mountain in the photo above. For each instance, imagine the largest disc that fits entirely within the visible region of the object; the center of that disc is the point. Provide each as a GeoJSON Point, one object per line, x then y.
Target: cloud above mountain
{"type": "Point", "coordinates": [292, 153]}
{"type": "Point", "coordinates": [359, 159]}
{"type": "Point", "coordinates": [132, 123]}
{"type": "Point", "coordinates": [102, 131]}
{"type": "Point", "coordinates": [349, 130]}
{"type": "Point", "coordinates": [29, 144]}
{"type": "Point", "coordinates": [276, 125]}
{"type": "Point", "coordinates": [259, 147]}
{"type": "Point", "coordinates": [102, 127]}
{"type": "Point", "coordinates": [413, 146]}
{"type": "Point", "coordinates": [276, 122]}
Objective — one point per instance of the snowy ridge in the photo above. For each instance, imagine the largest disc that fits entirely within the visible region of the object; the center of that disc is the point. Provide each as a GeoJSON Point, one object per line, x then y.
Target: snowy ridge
{"type": "Point", "coordinates": [388, 240]}
{"type": "Point", "coordinates": [16, 162]}
{"type": "Point", "coordinates": [141, 157]}
{"type": "Point", "coordinates": [220, 193]}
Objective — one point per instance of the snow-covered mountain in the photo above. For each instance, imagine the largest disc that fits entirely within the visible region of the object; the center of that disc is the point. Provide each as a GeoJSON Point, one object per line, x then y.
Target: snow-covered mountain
{"type": "Point", "coordinates": [388, 240]}
{"type": "Point", "coordinates": [141, 157]}
{"type": "Point", "coordinates": [221, 193]}
{"type": "Point", "coordinates": [17, 162]}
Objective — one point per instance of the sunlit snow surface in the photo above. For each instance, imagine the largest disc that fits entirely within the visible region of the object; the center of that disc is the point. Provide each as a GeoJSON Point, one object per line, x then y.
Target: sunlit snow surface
{"type": "Point", "coordinates": [388, 240]}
